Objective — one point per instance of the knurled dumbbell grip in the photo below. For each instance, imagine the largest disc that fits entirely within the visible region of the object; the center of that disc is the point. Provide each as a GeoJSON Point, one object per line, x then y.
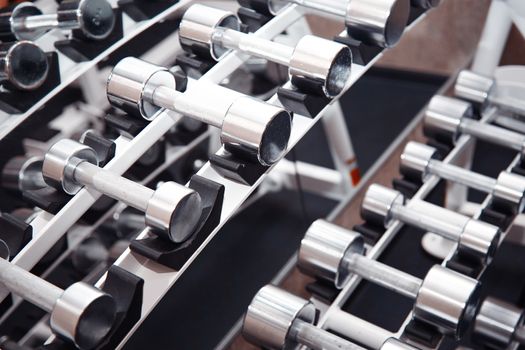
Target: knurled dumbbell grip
{"type": "Point", "coordinates": [494, 134]}
{"type": "Point", "coordinates": [35, 290]}
{"type": "Point", "coordinates": [463, 176]}
{"type": "Point", "coordinates": [317, 339]}
{"type": "Point", "coordinates": [383, 275]}
{"type": "Point", "coordinates": [114, 186]}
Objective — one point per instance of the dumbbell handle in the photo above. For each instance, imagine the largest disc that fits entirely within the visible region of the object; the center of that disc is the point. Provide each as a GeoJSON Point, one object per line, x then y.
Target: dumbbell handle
{"type": "Point", "coordinates": [332, 7]}
{"type": "Point", "coordinates": [35, 290]}
{"type": "Point", "coordinates": [319, 339]}
{"type": "Point", "coordinates": [41, 22]}
{"type": "Point", "coordinates": [493, 134]}
{"type": "Point", "coordinates": [252, 45]}
{"type": "Point", "coordinates": [426, 222]}
{"type": "Point", "coordinates": [463, 176]}
{"type": "Point", "coordinates": [383, 275]}
{"type": "Point", "coordinates": [114, 186]}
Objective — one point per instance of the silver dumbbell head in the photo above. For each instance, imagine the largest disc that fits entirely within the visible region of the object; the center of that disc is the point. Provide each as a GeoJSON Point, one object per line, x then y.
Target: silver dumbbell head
{"type": "Point", "coordinates": [473, 86]}
{"type": "Point", "coordinates": [496, 323]}
{"type": "Point", "coordinates": [378, 202]}
{"type": "Point", "coordinates": [509, 191]}
{"type": "Point", "coordinates": [172, 211]}
{"type": "Point", "coordinates": [60, 162]}
{"type": "Point", "coordinates": [396, 344]}
{"type": "Point", "coordinates": [270, 316]}
{"type": "Point", "coordinates": [447, 300]}
{"type": "Point", "coordinates": [323, 251]}
{"type": "Point", "coordinates": [256, 129]}
{"type": "Point", "coordinates": [95, 17]}
{"type": "Point", "coordinates": [131, 84]}
{"type": "Point", "coordinates": [198, 26]}
{"type": "Point", "coordinates": [317, 61]}
{"type": "Point", "coordinates": [378, 21]}
{"type": "Point", "coordinates": [25, 65]}
{"type": "Point", "coordinates": [479, 239]}
{"type": "Point", "coordinates": [415, 159]}
{"type": "Point", "coordinates": [84, 315]}
{"type": "Point", "coordinates": [23, 173]}
{"type": "Point", "coordinates": [443, 117]}
{"type": "Point", "coordinates": [26, 9]}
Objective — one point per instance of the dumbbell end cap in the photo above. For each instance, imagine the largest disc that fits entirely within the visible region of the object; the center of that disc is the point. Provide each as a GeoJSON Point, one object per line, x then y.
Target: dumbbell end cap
{"type": "Point", "coordinates": [199, 25]}
{"type": "Point", "coordinates": [83, 315]}
{"type": "Point", "coordinates": [496, 323]}
{"type": "Point", "coordinates": [97, 19]}
{"type": "Point", "coordinates": [256, 130]}
{"type": "Point", "coordinates": [479, 240]}
{"type": "Point", "coordinates": [473, 86]}
{"type": "Point", "coordinates": [448, 300]}
{"type": "Point", "coordinates": [26, 66]}
{"type": "Point", "coordinates": [415, 160]}
{"type": "Point", "coordinates": [60, 162]}
{"type": "Point", "coordinates": [378, 202]}
{"type": "Point", "coordinates": [131, 84]}
{"type": "Point", "coordinates": [270, 316]}
{"type": "Point", "coordinates": [174, 210]}
{"type": "Point", "coordinates": [324, 250]}
{"type": "Point", "coordinates": [378, 23]}
{"type": "Point", "coordinates": [509, 192]}
{"type": "Point", "coordinates": [320, 62]}
{"type": "Point", "coordinates": [443, 117]}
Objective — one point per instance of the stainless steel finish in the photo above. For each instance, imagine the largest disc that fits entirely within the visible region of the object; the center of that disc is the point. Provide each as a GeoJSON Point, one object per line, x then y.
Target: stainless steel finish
{"type": "Point", "coordinates": [318, 339]}
{"type": "Point", "coordinates": [172, 209]}
{"type": "Point", "coordinates": [250, 127]}
{"type": "Point", "coordinates": [499, 325]}
{"type": "Point", "coordinates": [20, 11]}
{"type": "Point", "coordinates": [473, 86]}
{"type": "Point", "coordinates": [323, 249]}
{"type": "Point", "coordinates": [312, 62]}
{"type": "Point", "coordinates": [94, 18]}
{"type": "Point", "coordinates": [444, 298]}
{"type": "Point", "coordinates": [508, 189]}
{"type": "Point", "coordinates": [81, 313]}
{"type": "Point", "coordinates": [396, 344]}
{"type": "Point", "coordinates": [377, 22]}
{"type": "Point", "coordinates": [23, 65]}
{"type": "Point", "coordinates": [449, 117]}
{"type": "Point", "coordinates": [270, 316]}
{"type": "Point", "coordinates": [475, 238]}
{"type": "Point", "coordinates": [447, 300]}
{"type": "Point", "coordinates": [23, 173]}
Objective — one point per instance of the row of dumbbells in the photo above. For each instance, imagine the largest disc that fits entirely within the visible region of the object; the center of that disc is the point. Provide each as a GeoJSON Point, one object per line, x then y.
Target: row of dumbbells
{"type": "Point", "coordinates": [445, 299]}
{"type": "Point", "coordinates": [207, 31]}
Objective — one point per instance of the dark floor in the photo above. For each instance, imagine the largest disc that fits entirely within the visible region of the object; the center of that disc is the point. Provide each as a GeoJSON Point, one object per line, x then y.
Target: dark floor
{"type": "Point", "coordinates": [248, 252]}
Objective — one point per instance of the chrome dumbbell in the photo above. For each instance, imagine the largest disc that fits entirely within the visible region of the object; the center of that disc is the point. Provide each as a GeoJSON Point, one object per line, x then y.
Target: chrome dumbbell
{"type": "Point", "coordinates": [23, 65]}
{"type": "Point", "coordinates": [314, 64]}
{"type": "Point", "coordinates": [499, 325]}
{"type": "Point", "coordinates": [249, 127]}
{"type": "Point", "coordinates": [449, 118]}
{"type": "Point", "coordinates": [23, 173]}
{"type": "Point", "coordinates": [80, 313]}
{"type": "Point", "coordinates": [482, 89]}
{"type": "Point", "coordinates": [94, 18]}
{"type": "Point", "coordinates": [444, 298]}
{"type": "Point", "coordinates": [508, 190]}
{"type": "Point", "coordinates": [475, 238]}
{"type": "Point", "coordinates": [172, 210]}
{"type": "Point", "coordinates": [373, 22]}
{"type": "Point", "coordinates": [277, 319]}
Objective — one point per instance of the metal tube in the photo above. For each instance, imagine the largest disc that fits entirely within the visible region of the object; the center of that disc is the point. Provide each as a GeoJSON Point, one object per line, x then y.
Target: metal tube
{"type": "Point", "coordinates": [462, 176]}
{"type": "Point", "coordinates": [426, 222]}
{"type": "Point", "coordinates": [253, 46]}
{"type": "Point", "coordinates": [114, 186]}
{"type": "Point", "coordinates": [40, 22]}
{"type": "Point", "coordinates": [35, 290]}
{"type": "Point", "coordinates": [493, 134]}
{"type": "Point", "coordinates": [519, 335]}
{"type": "Point", "coordinates": [318, 339]}
{"type": "Point", "coordinates": [383, 275]}
{"type": "Point", "coordinates": [332, 7]}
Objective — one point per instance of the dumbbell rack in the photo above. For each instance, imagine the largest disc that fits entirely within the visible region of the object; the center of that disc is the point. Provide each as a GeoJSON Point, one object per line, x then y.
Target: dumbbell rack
{"type": "Point", "coordinates": [71, 70]}
{"type": "Point", "coordinates": [48, 228]}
